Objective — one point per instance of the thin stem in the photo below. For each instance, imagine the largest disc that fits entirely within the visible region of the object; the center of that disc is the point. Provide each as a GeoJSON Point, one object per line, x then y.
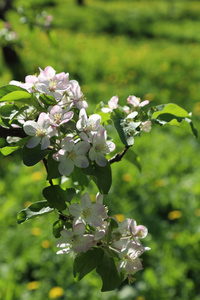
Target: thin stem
{"type": "Point", "coordinates": [118, 156]}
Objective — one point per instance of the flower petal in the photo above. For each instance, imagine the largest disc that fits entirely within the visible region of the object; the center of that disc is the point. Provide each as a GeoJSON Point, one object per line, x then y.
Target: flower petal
{"type": "Point", "coordinates": [33, 142]}
{"type": "Point", "coordinates": [66, 167]}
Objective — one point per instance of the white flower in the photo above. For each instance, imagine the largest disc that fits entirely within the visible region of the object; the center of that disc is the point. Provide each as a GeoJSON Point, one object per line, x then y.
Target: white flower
{"type": "Point", "coordinates": [58, 116]}
{"type": "Point", "coordinates": [100, 147]}
{"type": "Point", "coordinates": [76, 95]}
{"type": "Point", "coordinates": [88, 212]}
{"type": "Point", "coordinates": [112, 103]}
{"type": "Point", "coordinates": [71, 154]}
{"type": "Point", "coordinates": [86, 124]}
{"type": "Point", "coordinates": [135, 102]}
{"type": "Point", "coordinates": [75, 240]}
{"type": "Point", "coordinates": [51, 83]}
{"type": "Point", "coordinates": [40, 130]}
{"type": "Point", "coordinates": [146, 126]}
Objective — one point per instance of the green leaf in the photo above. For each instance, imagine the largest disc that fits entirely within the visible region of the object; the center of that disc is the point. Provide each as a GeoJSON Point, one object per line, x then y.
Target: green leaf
{"type": "Point", "coordinates": [133, 158]}
{"type": "Point", "coordinates": [57, 197]}
{"type": "Point", "coordinates": [52, 167]}
{"type": "Point", "coordinates": [57, 227]}
{"type": "Point", "coordinates": [110, 277]}
{"type": "Point", "coordinates": [172, 114]}
{"type": "Point", "coordinates": [170, 108]}
{"type": "Point", "coordinates": [48, 100]}
{"type": "Point", "coordinates": [10, 149]}
{"type": "Point", "coordinates": [84, 263]}
{"type": "Point", "coordinates": [102, 176]}
{"type": "Point", "coordinates": [21, 96]}
{"type": "Point", "coordinates": [33, 211]}
{"type": "Point", "coordinates": [118, 117]}
{"type": "Point", "coordinates": [32, 156]}
{"type": "Point", "coordinates": [113, 225]}
{"type": "Point", "coordinates": [6, 89]}
{"type": "Point", "coordinates": [8, 110]}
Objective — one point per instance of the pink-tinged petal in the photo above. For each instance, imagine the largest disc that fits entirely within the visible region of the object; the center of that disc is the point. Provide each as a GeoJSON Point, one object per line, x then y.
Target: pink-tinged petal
{"type": "Point", "coordinates": [56, 110]}
{"type": "Point", "coordinates": [45, 143]}
{"type": "Point", "coordinates": [67, 143]}
{"type": "Point", "coordinates": [81, 148]}
{"type": "Point", "coordinates": [141, 231]}
{"type": "Point", "coordinates": [66, 167]}
{"type": "Point", "coordinates": [83, 104]}
{"type": "Point", "coordinates": [67, 116]}
{"type": "Point", "coordinates": [31, 79]}
{"type": "Point", "coordinates": [75, 210]}
{"type": "Point", "coordinates": [33, 142]}
{"type": "Point", "coordinates": [79, 229]}
{"type": "Point", "coordinates": [112, 103]}
{"type": "Point", "coordinates": [67, 234]}
{"type": "Point", "coordinates": [143, 103]}
{"type": "Point", "coordinates": [101, 160]}
{"type": "Point", "coordinates": [99, 210]}
{"type": "Point", "coordinates": [30, 127]}
{"type": "Point", "coordinates": [95, 121]}
{"type": "Point", "coordinates": [81, 161]}
{"type": "Point", "coordinates": [86, 201]}
{"type": "Point", "coordinates": [49, 72]}
{"type": "Point", "coordinates": [43, 120]}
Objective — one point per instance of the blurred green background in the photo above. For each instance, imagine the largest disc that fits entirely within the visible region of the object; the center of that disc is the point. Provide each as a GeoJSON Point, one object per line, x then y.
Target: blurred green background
{"type": "Point", "coordinates": [150, 49]}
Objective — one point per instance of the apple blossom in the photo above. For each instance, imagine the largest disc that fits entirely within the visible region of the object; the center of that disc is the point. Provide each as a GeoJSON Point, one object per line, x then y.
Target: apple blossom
{"type": "Point", "coordinates": [71, 154]}
{"type": "Point", "coordinates": [59, 116]}
{"type": "Point", "coordinates": [135, 102]}
{"type": "Point", "coordinates": [75, 240]}
{"type": "Point", "coordinates": [100, 147]}
{"type": "Point", "coordinates": [112, 103]}
{"type": "Point", "coordinates": [40, 130]}
{"type": "Point", "coordinates": [86, 124]}
{"type": "Point", "coordinates": [88, 212]}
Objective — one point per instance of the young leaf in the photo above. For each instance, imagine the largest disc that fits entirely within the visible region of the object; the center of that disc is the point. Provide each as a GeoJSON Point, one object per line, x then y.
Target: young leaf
{"type": "Point", "coordinates": [34, 210]}
{"type": "Point", "coordinates": [84, 263]}
{"type": "Point", "coordinates": [108, 272]}
{"type": "Point", "coordinates": [57, 197]}
{"type": "Point", "coordinates": [32, 156]}
{"type": "Point", "coordinates": [117, 117]}
{"type": "Point", "coordinates": [8, 150]}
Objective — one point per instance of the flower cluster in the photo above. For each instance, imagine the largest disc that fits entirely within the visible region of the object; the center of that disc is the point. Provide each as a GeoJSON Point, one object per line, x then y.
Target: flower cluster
{"type": "Point", "coordinates": [88, 141]}
{"type": "Point", "coordinates": [90, 227]}
{"type": "Point", "coordinates": [133, 111]}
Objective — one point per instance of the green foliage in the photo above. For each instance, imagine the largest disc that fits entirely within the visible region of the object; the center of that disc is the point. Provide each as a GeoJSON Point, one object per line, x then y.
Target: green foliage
{"type": "Point", "coordinates": [34, 210]}
{"type": "Point", "coordinates": [57, 197]}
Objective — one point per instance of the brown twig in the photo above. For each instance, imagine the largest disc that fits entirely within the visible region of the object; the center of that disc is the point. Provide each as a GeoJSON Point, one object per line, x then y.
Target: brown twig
{"type": "Point", "coordinates": [5, 132]}
{"type": "Point", "coordinates": [118, 156]}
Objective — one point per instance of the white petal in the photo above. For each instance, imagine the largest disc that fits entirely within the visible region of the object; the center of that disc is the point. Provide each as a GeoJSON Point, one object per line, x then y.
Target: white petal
{"type": "Point", "coordinates": [92, 154]}
{"type": "Point", "coordinates": [66, 167]}
{"type": "Point", "coordinates": [75, 209]}
{"type": "Point", "coordinates": [33, 142]}
{"type": "Point", "coordinates": [81, 148]}
{"type": "Point", "coordinates": [81, 161]}
{"type": "Point", "coordinates": [30, 127]}
{"type": "Point", "coordinates": [45, 143]}
{"type": "Point", "coordinates": [101, 160]}
{"type": "Point", "coordinates": [86, 201]}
